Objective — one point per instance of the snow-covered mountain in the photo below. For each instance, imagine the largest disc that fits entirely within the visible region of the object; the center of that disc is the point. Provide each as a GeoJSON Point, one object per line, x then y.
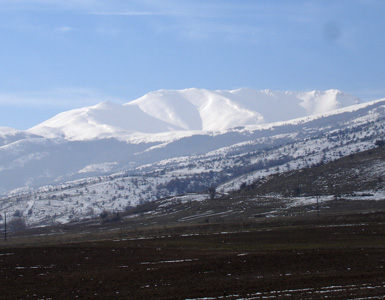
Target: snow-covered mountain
{"type": "Point", "coordinates": [10, 135]}
{"type": "Point", "coordinates": [189, 110]}
{"type": "Point", "coordinates": [171, 142]}
{"type": "Point", "coordinates": [108, 137]}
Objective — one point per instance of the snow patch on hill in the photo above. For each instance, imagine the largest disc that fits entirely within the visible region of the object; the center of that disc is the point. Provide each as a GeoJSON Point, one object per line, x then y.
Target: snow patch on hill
{"type": "Point", "coordinates": [102, 168]}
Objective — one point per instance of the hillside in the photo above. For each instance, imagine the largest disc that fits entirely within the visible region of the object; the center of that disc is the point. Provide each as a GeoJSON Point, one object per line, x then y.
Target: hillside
{"type": "Point", "coordinates": [358, 173]}
{"type": "Point", "coordinates": [59, 179]}
{"type": "Point", "coordinates": [37, 161]}
{"type": "Point", "coordinates": [10, 135]}
{"type": "Point", "coordinates": [351, 184]}
{"type": "Point", "coordinates": [326, 244]}
{"type": "Point", "coordinates": [276, 199]}
{"type": "Point", "coordinates": [275, 193]}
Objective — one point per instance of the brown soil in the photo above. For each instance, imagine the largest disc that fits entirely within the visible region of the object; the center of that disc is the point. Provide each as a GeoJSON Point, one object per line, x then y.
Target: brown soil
{"type": "Point", "coordinates": [308, 262]}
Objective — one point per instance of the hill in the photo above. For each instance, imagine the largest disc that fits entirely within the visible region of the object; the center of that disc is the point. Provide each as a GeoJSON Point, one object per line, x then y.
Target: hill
{"type": "Point", "coordinates": [356, 173]}
{"type": "Point", "coordinates": [266, 240]}
{"type": "Point", "coordinates": [49, 180]}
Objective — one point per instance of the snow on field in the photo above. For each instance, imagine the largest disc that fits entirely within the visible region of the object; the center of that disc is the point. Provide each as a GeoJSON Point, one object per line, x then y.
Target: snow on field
{"type": "Point", "coordinates": [323, 292]}
{"type": "Point", "coordinates": [168, 261]}
{"type": "Point", "coordinates": [204, 215]}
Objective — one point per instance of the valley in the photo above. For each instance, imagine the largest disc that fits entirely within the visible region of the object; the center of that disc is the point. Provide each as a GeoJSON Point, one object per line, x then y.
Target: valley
{"type": "Point", "coordinates": [267, 239]}
{"type": "Point", "coordinates": [288, 210]}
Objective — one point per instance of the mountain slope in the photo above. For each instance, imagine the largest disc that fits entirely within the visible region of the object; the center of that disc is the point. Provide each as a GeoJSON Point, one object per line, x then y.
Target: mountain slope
{"type": "Point", "coordinates": [10, 135]}
{"type": "Point", "coordinates": [356, 173]}
{"type": "Point", "coordinates": [196, 109]}
{"type": "Point", "coordinates": [112, 156]}
{"type": "Point", "coordinates": [104, 120]}
{"type": "Point", "coordinates": [189, 110]}
{"type": "Point", "coordinates": [33, 162]}
{"type": "Point", "coordinates": [111, 174]}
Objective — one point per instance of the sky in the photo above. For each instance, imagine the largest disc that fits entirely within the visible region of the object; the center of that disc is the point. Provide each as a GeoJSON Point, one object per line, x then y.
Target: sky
{"type": "Point", "coordinates": [59, 55]}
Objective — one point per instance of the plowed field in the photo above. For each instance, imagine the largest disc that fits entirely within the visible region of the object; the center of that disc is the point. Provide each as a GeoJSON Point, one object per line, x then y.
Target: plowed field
{"type": "Point", "coordinates": [335, 262]}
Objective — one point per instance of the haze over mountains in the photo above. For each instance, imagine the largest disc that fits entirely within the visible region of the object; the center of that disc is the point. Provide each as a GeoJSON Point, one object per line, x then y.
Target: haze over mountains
{"type": "Point", "coordinates": [189, 110]}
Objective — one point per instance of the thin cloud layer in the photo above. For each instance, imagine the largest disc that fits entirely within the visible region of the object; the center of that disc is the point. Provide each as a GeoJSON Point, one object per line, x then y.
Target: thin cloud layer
{"type": "Point", "coordinates": [60, 97]}
{"type": "Point", "coordinates": [64, 29]}
{"type": "Point", "coordinates": [46, 4]}
{"type": "Point", "coordinates": [125, 13]}
{"type": "Point", "coordinates": [131, 47]}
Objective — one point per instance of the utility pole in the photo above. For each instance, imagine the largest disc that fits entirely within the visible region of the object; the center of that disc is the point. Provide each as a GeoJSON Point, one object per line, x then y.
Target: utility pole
{"type": "Point", "coordinates": [317, 205]}
{"type": "Point", "coordinates": [5, 226]}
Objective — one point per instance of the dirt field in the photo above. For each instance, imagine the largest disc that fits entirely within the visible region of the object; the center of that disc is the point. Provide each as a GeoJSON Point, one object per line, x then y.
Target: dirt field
{"type": "Point", "coordinates": [295, 262]}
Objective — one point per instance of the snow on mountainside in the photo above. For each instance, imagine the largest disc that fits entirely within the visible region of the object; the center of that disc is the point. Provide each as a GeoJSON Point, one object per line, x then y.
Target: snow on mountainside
{"type": "Point", "coordinates": [10, 135]}
{"type": "Point", "coordinates": [196, 109]}
{"type": "Point", "coordinates": [189, 110]}
{"type": "Point", "coordinates": [112, 156]}
{"type": "Point", "coordinates": [277, 106]}
{"type": "Point", "coordinates": [101, 121]}
{"type": "Point", "coordinates": [86, 177]}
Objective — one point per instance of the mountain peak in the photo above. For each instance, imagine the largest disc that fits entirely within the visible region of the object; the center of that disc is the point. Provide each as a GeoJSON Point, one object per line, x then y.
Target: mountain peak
{"type": "Point", "coordinates": [316, 102]}
{"type": "Point", "coordinates": [190, 109]}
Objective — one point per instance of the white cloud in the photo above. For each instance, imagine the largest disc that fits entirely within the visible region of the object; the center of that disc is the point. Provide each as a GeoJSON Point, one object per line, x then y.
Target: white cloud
{"type": "Point", "coordinates": [126, 13]}
{"type": "Point", "coordinates": [232, 21]}
{"type": "Point", "coordinates": [64, 29]}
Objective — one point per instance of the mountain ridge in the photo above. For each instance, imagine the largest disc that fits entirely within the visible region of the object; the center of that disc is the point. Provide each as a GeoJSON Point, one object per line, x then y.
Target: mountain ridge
{"type": "Point", "coordinates": [189, 110]}
{"type": "Point", "coordinates": [56, 179]}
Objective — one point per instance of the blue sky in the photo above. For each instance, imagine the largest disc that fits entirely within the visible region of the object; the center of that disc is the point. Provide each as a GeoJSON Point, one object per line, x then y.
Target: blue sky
{"type": "Point", "coordinates": [57, 55]}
